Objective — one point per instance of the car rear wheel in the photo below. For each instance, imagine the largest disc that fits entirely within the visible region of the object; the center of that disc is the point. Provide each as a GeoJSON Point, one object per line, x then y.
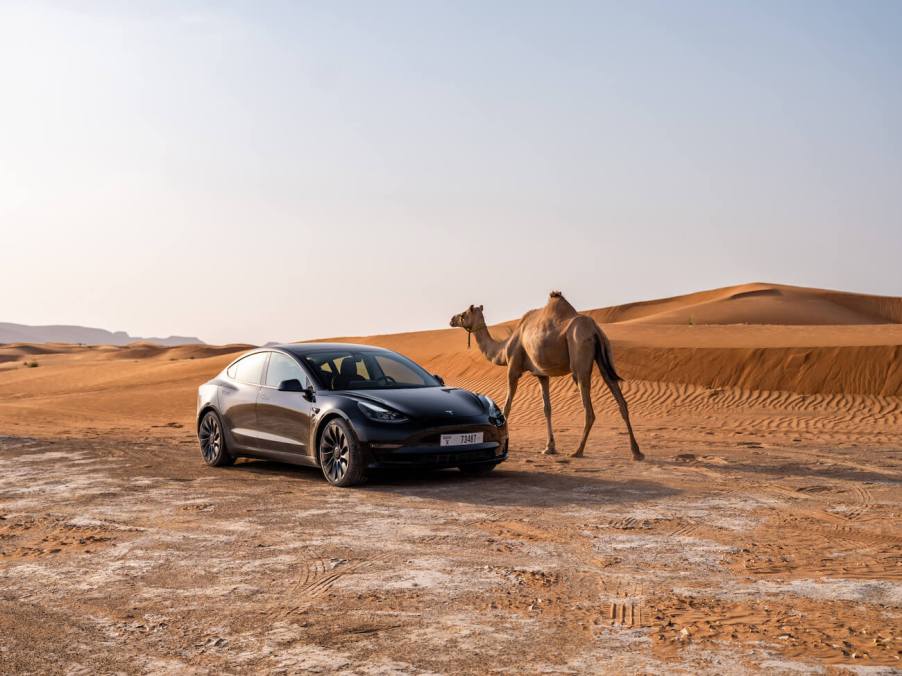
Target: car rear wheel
{"type": "Point", "coordinates": [339, 455]}
{"type": "Point", "coordinates": [212, 441]}
{"type": "Point", "coordinates": [477, 470]}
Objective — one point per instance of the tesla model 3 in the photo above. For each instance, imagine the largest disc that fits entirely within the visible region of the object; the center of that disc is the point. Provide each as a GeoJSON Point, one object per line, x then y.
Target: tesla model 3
{"type": "Point", "coordinates": [346, 409]}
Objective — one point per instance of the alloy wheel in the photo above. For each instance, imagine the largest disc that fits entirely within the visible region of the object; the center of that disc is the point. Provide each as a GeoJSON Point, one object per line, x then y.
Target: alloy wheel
{"type": "Point", "coordinates": [210, 437]}
{"type": "Point", "coordinates": [334, 452]}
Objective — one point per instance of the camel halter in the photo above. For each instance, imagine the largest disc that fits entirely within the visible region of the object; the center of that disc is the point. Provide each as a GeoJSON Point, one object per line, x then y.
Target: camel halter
{"type": "Point", "coordinates": [470, 333]}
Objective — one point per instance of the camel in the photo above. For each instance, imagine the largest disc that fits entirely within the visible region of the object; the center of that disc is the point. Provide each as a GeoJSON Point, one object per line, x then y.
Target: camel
{"type": "Point", "coordinates": [552, 341]}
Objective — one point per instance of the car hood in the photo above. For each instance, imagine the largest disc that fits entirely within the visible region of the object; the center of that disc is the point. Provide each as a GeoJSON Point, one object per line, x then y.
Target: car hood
{"type": "Point", "coordinates": [425, 402]}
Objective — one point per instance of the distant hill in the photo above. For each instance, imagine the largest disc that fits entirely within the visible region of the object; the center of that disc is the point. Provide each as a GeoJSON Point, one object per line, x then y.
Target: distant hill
{"type": "Point", "coordinates": [22, 333]}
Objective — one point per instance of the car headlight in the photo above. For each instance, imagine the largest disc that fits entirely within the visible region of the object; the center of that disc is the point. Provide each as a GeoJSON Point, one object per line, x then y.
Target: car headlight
{"type": "Point", "coordinates": [495, 414]}
{"type": "Point", "coordinates": [378, 413]}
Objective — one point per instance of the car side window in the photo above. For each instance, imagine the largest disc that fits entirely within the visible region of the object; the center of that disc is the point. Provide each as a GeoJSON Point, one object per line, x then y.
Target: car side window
{"type": "Point", "coordinates": [250, 369]}
{"type": "Point", "coordinates": [282, 367]}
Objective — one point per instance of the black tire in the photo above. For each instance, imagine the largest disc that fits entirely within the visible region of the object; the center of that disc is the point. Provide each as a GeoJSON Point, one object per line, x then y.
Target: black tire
{"type": "Point", "coordinates": [477, 470]}
{"type": "Point", "coordinates": [339, 455]}
{"type": "Point", "coordinates": [211, 436]}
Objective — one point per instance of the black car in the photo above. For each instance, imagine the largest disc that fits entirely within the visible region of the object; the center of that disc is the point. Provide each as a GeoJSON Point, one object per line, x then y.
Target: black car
{"type": "Point", "coordinates": [346, 409]}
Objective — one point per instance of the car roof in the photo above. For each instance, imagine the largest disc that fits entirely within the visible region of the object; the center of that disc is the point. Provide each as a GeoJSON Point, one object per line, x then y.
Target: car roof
{"type": "Point", "coordinates": [305, 349]}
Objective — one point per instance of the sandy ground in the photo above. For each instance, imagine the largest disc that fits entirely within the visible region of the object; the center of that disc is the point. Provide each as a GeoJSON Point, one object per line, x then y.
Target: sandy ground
{"type": "Point", "coordinates": [763, 533]}
{"type": "Point", "coordinates": [725, 552]}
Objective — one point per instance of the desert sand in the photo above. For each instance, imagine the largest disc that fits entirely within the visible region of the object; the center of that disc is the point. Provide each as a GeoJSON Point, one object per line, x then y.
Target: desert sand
{"type": "Point", "coordinates": [762, 533]}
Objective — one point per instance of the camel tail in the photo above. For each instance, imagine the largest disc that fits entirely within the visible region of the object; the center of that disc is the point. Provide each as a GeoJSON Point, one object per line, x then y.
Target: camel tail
{"type": "Point", "coordinates": [603, 356]}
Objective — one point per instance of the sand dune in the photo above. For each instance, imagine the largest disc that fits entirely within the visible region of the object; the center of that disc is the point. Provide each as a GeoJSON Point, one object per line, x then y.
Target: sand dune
{"type": "Point", "coordinates": [754, 336]}
{"type": "Point", "coordinates": [845, 372]}
{"type": "Point", "coordinates": [28, 349]}
{"type": "Point", "coordinates": [152, 351]}
{"type": "Point", "coordinates": [105, 387]}
{"type": "Point", "coordinates": [760, 303]}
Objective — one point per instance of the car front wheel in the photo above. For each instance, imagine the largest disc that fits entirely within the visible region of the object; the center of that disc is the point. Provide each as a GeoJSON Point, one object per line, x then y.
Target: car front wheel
{"type": "Point", "coordinates": [339, 455]}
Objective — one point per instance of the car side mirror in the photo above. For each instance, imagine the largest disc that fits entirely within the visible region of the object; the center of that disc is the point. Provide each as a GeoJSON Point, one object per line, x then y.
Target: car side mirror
{"type": "Point", "coordinates": [291, 385]}
{"type": "Point", "coordinates": [441, 381]}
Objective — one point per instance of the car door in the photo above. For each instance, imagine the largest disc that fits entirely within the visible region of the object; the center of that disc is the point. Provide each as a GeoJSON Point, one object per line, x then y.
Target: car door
{"type": "Point", "coordinates": [284, 417]}
{"type": "Point", "coordinates": [238, 399]}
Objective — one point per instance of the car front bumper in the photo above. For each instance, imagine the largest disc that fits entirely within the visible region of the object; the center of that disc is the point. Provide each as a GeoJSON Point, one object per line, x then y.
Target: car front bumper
{"type": "Point", "coordinates": [423, 449]}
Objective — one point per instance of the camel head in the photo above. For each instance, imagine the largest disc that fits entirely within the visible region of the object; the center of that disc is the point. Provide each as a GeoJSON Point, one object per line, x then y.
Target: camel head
{"type": "Point", "coordinates": [470, 319]}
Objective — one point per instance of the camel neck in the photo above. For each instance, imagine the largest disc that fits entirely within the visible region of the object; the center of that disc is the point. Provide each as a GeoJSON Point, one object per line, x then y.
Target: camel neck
{"type": "Point", "coordinates": [492, 349]}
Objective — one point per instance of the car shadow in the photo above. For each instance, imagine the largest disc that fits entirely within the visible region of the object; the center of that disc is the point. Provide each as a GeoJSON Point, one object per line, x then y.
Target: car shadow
{"type": "Point", "coordinates": [503, 487]}
{"type": "Point", "coordinates": [532, 488]}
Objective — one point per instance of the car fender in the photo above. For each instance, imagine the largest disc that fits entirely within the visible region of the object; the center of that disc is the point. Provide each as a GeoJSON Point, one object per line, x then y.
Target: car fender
{"type": "Point", "coordinates": [207, 397]}
{"type": "Point", "coordinates": [208, 400]}
{"type": "Point", "coordinates": [322, 417]}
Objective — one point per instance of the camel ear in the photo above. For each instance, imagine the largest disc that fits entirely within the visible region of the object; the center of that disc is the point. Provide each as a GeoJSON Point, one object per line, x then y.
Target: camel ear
{"type": "Point", "coordinates": [480, 308]}
{"type": "Point", "coordinates": [471, 307]}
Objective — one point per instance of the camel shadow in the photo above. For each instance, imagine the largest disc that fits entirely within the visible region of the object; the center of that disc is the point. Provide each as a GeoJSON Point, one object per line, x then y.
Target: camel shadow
{"type": "Point", "coordinates": [501, 488]}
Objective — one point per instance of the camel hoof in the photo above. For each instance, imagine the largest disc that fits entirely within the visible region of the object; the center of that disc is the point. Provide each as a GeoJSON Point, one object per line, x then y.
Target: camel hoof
{"type": "Point", "coordinates": [549, 451]}
{"type": "Point", "coordinates": [576, 454]}
{"type": "Point", "coordinates": [638, 456]}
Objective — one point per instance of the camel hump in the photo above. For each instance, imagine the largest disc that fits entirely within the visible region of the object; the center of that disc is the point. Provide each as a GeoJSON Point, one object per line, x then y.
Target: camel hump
{"type": "Point", "coordinates": [559, 305]}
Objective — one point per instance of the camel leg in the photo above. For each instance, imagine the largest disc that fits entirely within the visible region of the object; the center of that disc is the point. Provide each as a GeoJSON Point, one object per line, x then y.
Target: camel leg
{"type": "Point", "coordinates": [513, 377]}
{"type": "Point", "coordinates": [614, 386]}
{"type": "Point", "coordinates": [585, 390]}
{"type": "Point", "coordinates": [546, 400]}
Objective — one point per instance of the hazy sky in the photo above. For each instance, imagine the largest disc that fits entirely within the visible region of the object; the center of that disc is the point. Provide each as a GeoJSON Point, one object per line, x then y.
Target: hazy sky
{"type": "Point", "coordinates": [272, 171]}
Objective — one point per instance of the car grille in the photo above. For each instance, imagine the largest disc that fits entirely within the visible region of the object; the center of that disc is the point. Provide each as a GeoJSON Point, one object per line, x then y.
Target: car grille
{"type": "Point", "coordinates": [463, 456]}
{"type": "Point", "coordinates": [438, 458]}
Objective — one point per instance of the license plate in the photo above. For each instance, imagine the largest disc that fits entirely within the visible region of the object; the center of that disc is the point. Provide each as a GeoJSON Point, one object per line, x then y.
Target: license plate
{"type": "Point", "coordinates": [461, 439]}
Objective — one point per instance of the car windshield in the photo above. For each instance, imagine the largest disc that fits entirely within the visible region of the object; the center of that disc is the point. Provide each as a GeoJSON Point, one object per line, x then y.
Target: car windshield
{"type": "Point", "coordinates": [366, 370]}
